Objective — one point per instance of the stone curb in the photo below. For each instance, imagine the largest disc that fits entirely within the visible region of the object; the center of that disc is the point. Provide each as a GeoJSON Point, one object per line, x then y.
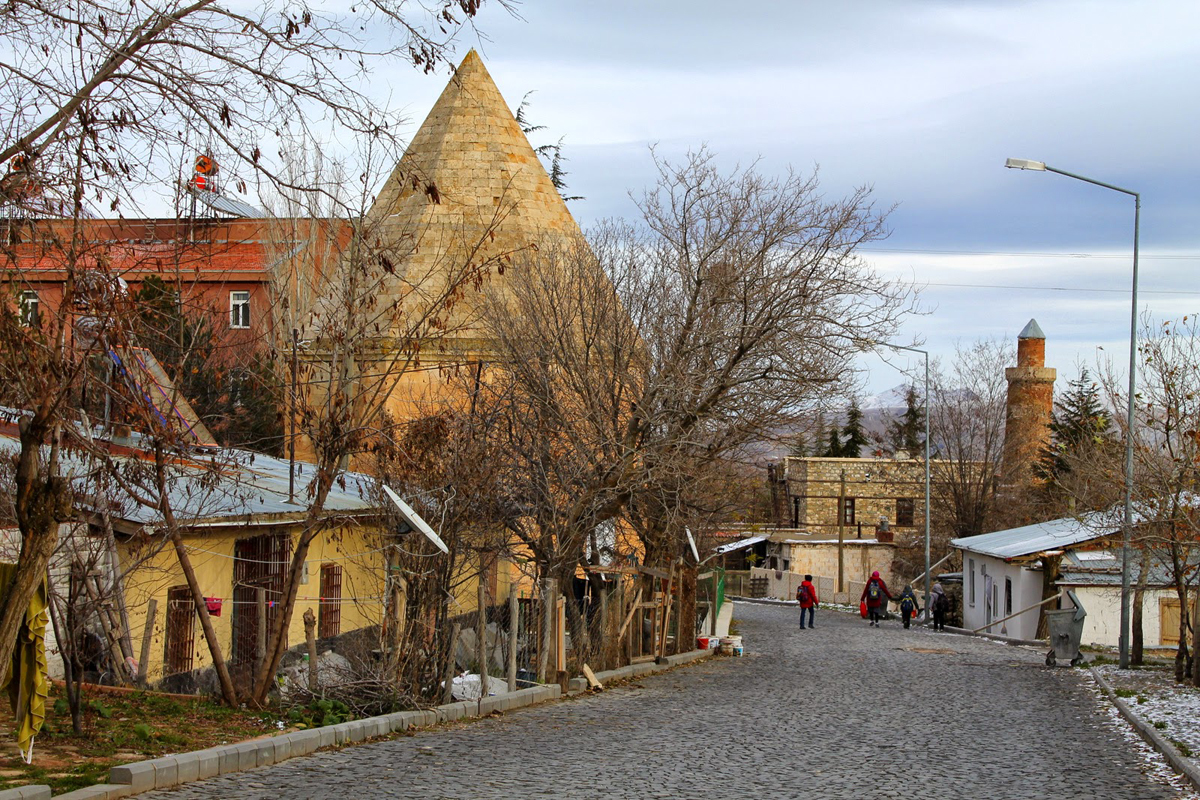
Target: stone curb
{"type": "Point", "coordinates": [648, 667]}
{"type": "Point", "coordinates": [160, 773]}
{"type": "Point", "coordinates": [167, 771]}
{"type": "Point", "coordinates": [26, 793]}
{"type": "Point", "coordinates": [1180, 764]}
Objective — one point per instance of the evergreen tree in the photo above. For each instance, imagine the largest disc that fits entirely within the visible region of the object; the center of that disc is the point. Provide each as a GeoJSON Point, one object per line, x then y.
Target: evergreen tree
{"type": "Point", "coordinates": [908, 431]}
{"type": "Point", "coordinates": [1081, 427]}
{"type": "Point", "coordinates": [855, 436]}
{"type": "Point", "coordinates": [834, 447]}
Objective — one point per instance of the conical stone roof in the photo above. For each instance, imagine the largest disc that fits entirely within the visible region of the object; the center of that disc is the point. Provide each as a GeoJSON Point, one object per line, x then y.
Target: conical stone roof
{"type": "Point", "coordinates": [469, 183]}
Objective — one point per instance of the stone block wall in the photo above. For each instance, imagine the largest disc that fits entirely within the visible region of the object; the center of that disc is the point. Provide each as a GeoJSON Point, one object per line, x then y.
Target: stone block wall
{"type": "Point", "coordinates": [873, 484]}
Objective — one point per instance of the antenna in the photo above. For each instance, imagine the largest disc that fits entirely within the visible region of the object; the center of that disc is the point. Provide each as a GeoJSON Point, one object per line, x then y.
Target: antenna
{"type": "Point", "coordinates": [414, 519]}
{"type": "Point", "coordinates": [692, 542]}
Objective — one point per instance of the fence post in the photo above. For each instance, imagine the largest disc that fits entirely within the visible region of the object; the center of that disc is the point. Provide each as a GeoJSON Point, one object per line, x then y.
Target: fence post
{"type": "Point", "coordinates": [513, 625]}
{"type": "Point", "coordinates": [310, 636]}
{"type": "Point", "coordinates": [260, 644]}
{"type": "Point", "coordinates": [147, 636]}
{"type": "Point", "coordinates": [481, 649]}
{"type": "Point", "coordinates": [447, 696]}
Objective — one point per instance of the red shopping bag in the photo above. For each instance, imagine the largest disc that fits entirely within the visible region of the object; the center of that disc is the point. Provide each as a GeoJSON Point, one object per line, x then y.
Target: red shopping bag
{"type": "Point", "coordinates": [862, 608]}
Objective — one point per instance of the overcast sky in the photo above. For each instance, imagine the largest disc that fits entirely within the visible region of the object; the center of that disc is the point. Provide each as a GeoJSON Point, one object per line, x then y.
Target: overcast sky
{"type": "Point", "coordinates": [923, 101]}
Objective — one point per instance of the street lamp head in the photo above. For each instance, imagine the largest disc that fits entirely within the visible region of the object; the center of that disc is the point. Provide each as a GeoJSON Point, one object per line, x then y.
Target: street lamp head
{"type": "Point", "coordinates": [1025, 163]}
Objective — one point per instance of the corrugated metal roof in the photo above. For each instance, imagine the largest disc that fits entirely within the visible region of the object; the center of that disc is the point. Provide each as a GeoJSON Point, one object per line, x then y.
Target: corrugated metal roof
{"type": "Point", "coordinates": [252, 487]}
{"type": "Point", "coordinates": [728, 548]}
{"type": "Point", "coordinates": [1053, 535]}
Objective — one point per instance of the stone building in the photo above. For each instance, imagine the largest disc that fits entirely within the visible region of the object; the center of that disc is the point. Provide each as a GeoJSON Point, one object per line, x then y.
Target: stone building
{"type": "Point", "coordinates": [858, 494]}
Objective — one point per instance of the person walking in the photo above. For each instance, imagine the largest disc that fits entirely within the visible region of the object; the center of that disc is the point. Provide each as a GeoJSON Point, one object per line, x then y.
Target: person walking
{"type": "Point", "coordinates": [939, 604]}
{"type": "Point", "coordinates": [876, 595]}
{"type": "Point", "coordinates": [908, 604]}
{"type": "Point", "coordinates": [807, 595]}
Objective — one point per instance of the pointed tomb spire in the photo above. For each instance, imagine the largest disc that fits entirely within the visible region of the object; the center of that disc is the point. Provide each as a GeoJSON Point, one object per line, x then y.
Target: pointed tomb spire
{"type": "Point", "coordinates": [469, 169]}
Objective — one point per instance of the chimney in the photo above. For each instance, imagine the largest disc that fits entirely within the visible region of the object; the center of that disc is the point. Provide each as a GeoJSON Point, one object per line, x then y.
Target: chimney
{"type": "Point", "coordinates": [1029, 409]}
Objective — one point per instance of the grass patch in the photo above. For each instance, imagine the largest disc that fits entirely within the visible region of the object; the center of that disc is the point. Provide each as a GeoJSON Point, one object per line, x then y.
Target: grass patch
{"type": "Point", "coordinates": [1126, 693]}
{"type": "Point", "coordinates": [1183, 749]}
{"type": "Point", "coordinates": [1160, 725]}
{"type": "Point", "coordinates": [118, 729]}
{"type": "Point", "coordinates": [1141, 698]}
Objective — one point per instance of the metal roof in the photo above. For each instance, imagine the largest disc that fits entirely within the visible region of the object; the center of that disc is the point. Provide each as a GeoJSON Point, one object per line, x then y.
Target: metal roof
{"type": "Point", "coordinates": [1053, 535]}
{"type": "Point", "coordinates": [221, 487]}
{"type": "Point", "coordinates": [1031, 331]}
{"type": "Point", "coordinates": [228, 205]}
{"type": "Point", "coordinates": [729, 548]}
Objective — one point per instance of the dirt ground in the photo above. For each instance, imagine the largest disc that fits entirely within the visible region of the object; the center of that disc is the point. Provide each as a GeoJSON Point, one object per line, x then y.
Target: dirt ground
{"type": "Point", "coordinates": [118, 729]}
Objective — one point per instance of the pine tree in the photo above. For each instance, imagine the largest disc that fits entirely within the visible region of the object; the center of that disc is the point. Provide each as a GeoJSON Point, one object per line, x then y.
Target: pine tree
{"type": "Point", "coordinates": [1081, 425]}
{"type": "Point", "coordinates": [834, 448]}
{"type": "Point", "coordinates": [908, 431]}
{"type": "Point", "coordinates": [855, 436]}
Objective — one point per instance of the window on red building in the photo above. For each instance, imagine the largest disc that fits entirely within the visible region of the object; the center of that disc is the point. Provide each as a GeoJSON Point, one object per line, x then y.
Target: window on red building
{"type": "Point", "coordinates": [239, 309]}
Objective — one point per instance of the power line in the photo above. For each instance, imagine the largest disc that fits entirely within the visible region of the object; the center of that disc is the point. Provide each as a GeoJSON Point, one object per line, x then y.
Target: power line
{"type": "Point", "coordinates": [1126, 256]}
{"type": "Point", "coordinates": [1056, 288]}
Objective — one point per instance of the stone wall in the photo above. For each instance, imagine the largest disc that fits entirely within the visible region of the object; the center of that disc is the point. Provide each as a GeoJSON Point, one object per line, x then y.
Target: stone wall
{"type": "Point", "coordinates": [873, 484]}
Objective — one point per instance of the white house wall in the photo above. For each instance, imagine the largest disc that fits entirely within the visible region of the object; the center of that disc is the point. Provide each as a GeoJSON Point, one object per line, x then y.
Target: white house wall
{"type": "Point", "coordinates": [1102, 627]}
{"type": "Point", "coordinates": [1026, 590]}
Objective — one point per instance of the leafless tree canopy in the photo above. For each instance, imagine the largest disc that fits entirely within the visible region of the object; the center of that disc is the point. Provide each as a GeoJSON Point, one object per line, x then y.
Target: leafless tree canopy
{"type": "Point", "coordinates": [132, 88]}
{"type": "Point", "coordinates": [633, 364]}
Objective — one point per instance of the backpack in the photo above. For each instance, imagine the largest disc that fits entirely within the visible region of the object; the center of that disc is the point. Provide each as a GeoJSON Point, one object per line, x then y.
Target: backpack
{"type": "Point", "coordinates": [803, 594]}
{"type": "Point", "coordinates": [941, 603]}
{"type": "Point", "coordinates": [873, 591]}
{"type": "Point", "coordinates": [907, 604]}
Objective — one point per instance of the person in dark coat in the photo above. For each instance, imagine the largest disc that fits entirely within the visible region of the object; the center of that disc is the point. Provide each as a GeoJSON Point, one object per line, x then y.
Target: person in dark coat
{"type": "Point", "coordinates": [908, 604]}
{"type": "Point", "coordinates": [807, 595]}
{"type": "Point", "coordinates": [939, 604]}
{"type": "Point", "coordinates": [876, 595]}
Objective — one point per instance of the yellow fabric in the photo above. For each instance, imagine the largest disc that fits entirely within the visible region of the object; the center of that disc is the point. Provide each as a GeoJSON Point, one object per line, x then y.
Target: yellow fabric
{"type": "Point", "coordinates": [28, 681]}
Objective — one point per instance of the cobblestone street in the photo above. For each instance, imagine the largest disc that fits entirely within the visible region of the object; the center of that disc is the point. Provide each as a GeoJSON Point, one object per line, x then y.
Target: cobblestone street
{"type": "Point", "coordinates": [841, 711]}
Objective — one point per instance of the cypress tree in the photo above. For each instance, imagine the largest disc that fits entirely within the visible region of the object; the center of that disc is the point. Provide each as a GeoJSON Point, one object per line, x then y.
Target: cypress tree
{"type": "Point", "coordinates": [855, 436]}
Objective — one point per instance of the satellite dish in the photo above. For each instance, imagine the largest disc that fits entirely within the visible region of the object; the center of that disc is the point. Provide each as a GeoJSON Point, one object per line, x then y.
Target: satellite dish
{"type": "Point", "coordinates": [692, 543]}
{"type": "Point", "coordinates": [414, 520]}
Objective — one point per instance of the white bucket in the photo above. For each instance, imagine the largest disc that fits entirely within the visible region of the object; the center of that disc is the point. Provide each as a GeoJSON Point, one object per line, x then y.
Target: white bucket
{"type": "Point", "coordinates": [731, 645]}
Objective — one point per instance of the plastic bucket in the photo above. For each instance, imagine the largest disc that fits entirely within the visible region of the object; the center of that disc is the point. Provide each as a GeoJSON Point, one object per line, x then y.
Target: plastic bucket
{"type": "Point", "coordinates": [730, 644]}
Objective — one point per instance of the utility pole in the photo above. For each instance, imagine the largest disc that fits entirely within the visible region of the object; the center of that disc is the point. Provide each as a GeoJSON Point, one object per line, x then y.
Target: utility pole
{"type": "Point", "coordinates": [841, 517]}
{"type": "Point", "coordinates": [292, 422]}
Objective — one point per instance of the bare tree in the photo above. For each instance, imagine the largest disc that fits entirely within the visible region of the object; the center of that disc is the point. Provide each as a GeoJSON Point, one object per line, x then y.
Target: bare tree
{"type": "Point", "coordinates": [100, 100]}
{"type": "Point", "coordinates": [966, 421]}
{"type": "Point", "coordinates": [1166, 463]}
{"type": "Point", "coordinates": [652, 354]}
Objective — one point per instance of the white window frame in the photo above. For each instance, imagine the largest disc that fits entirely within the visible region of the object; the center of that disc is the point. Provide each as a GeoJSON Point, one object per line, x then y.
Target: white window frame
{"type": "Point", "coordinates": [239, 310]}
{"type": "Point", "coordinates": [29, 308]}
{"type": "Point", "coordinates": [972, 574]}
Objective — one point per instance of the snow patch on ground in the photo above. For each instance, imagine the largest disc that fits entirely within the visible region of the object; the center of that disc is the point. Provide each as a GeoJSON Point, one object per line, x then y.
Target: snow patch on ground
{"type": "Point", "coordinates": [1175, 707]}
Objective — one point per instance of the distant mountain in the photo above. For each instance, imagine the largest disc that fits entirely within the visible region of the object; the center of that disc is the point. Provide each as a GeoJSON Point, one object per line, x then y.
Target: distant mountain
{"type": "Point", "coordinates": [890, 399]}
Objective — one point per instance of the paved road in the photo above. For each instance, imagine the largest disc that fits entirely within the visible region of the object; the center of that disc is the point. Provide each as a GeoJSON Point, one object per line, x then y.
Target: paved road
{"type": "Point", "coordinates": [842, 711]}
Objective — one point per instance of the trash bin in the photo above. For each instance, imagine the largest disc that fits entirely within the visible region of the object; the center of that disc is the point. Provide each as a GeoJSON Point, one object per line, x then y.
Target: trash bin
{"type": "Point", "coordinates": [1065, 627]}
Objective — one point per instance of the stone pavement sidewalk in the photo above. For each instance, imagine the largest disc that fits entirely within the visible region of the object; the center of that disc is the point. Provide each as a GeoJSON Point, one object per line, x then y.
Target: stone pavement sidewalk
{"type": "Point", "coordinates": [841, 711]}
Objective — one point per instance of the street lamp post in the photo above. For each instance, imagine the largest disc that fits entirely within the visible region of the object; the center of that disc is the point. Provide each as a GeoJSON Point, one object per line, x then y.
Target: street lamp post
{"type": "Point", "coordinates": [1127, 527]}
{"type": "Point", "coordinates": [928, 578]}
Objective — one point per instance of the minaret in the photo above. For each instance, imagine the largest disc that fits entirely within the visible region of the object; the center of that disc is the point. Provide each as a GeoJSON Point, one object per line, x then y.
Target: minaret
{"type": "Point", "coordinates": [1030, 407]}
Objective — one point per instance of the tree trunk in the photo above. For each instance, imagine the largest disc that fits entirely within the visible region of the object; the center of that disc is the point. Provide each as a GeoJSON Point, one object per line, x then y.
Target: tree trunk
{"type": "Point", "coordinates": [42, 501]}
{"type": "Point", "coordinates": [228, 692]}
{"type": "Point", "coordinates": [1050, 574]}
{"type": "Point", "coordinates": [1137, 655]}
{"type": "Point", "coordinates": [1195, 616]}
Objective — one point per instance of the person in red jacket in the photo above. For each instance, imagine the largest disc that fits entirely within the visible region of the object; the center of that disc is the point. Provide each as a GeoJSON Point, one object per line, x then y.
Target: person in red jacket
{"type": "Point", "coordinates": [807, 595]}
{"type": "Point", "coordinates": [876, 595]}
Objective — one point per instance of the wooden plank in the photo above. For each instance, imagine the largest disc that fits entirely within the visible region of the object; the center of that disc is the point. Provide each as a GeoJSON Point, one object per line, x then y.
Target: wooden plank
{"type": "Point", "coordinates": [657, 573]}
{"type": "Point", "coordinates": [632, 610]}
{"type": "Point", "coordinates": [591, 678]}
